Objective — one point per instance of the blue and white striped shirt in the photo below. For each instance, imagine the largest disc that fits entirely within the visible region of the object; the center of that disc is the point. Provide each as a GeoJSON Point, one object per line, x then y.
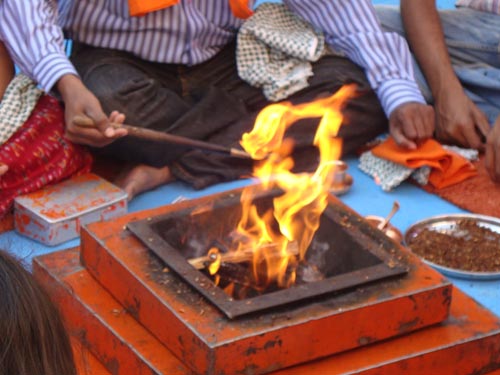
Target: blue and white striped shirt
{"type": "Point", "coordinates": [194, 31]}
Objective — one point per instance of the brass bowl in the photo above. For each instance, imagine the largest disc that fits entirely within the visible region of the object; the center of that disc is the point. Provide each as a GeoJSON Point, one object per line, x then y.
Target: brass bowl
{"type": "Point", "coordinates": [390, 230]}
{"type": "Point", "coordinates": [342, 181]}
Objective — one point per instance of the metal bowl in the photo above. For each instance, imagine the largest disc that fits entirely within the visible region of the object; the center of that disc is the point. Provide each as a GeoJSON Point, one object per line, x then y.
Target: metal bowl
{"type": "Point", "coordinates": [342, 181]}
{"type": "Point", "coordinates": [390, 230]}
{"type": "Point", "coordinates": [448, 224]}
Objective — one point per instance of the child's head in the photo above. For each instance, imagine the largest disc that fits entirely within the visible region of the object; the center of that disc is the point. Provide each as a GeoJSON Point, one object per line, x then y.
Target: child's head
{"type": "Point", "coordinates": [33, 339]}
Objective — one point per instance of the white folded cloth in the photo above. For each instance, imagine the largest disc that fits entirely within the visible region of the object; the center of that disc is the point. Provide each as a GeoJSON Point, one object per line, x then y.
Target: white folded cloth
{"type": "Point", "coordinates": [19, 100]}
{"type": "Point", "coordinates": [274, 51]}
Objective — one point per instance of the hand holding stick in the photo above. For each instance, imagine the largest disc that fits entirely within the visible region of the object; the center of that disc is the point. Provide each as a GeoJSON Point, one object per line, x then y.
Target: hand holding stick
{"type": "Point", "coordinates": [157, 136]}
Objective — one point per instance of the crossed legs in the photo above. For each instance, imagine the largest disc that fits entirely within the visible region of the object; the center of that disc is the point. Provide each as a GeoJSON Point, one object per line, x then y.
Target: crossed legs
{"type": "Point", "coordinates": [208, 102]}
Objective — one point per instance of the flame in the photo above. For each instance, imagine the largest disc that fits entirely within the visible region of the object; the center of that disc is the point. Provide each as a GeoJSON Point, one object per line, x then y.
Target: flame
{"type": "Point", "coordinates": [297, 211]}
{"type": "Point", "coordinates": [215, 257]}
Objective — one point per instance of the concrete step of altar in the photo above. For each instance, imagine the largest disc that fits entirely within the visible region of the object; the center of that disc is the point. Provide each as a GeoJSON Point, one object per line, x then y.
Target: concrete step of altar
{"type": "Point", "coordinates": [99, 322]}
{"type": "Point", "coordinates": [204, 339]}
{"type": "Point", "coordinates": [467, 343]}
{"type": "Point", "coordinates": [86, 362]}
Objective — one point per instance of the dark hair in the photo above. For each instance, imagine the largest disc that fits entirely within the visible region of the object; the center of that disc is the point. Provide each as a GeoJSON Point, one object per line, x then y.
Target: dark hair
{"type": "Point", "coordinates": [33, 338]}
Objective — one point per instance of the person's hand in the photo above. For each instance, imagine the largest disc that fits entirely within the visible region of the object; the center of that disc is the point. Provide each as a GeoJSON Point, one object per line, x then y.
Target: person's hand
{"type": "Point", "coordinates": [80, 102]}
{"type": "Point", "coordinates": [3, 169]}
{"type": "Point", "coordinates": [411, 123]}
{"type": "Point", "coordinates": [492, 155]}
{"type": "Point", "coordinates": [459, 121]}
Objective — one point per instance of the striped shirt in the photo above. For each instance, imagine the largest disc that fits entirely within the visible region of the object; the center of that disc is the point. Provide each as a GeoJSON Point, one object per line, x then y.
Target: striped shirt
{"type": "Point", "coordinates": [491, 6]}
{"type": "Point", "coordinates": [194, 31]}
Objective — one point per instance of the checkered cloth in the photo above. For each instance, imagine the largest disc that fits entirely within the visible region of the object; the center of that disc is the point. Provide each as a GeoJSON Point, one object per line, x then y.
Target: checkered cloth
{"type": "Point", "coordinates": [491, 6]}
{"type": "Point", "coordinates": [19, 100]}
{"type": "Point", "coordinates": [275, 49]}
{"type": "Point", "coordinates": [390, 175]}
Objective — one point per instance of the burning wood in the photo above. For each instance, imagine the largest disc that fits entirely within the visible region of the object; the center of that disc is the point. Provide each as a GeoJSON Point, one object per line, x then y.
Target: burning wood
{"type": "Point", "coordinates": [240, 256]}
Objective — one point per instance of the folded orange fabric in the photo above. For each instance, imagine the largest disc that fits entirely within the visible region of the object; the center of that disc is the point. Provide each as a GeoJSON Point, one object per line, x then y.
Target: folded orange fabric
{"type": "Point", "coordinates": [142, 7]}
{"type": "Point", "coordinates": [239, 8]}
{"type": "Point", "coordinates": [447, 167]}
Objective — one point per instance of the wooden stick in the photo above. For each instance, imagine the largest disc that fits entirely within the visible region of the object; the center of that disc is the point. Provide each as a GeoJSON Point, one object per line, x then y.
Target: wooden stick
{"type": "Point", "coordinates": [153, 135]}
{"type": "Point", "coordinates": [239, 256]}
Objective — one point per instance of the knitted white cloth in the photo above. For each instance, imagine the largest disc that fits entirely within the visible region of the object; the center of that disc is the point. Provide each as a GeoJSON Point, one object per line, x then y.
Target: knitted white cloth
{"type": "Point", "coordinates": [275, 49]}
{"type": "Point", "coordinates": [19, 100]}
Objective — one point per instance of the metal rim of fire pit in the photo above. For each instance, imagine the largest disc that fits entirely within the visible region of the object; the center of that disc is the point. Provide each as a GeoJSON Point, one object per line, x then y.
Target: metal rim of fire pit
{"type": "Point", "coordinates": [232, 308]}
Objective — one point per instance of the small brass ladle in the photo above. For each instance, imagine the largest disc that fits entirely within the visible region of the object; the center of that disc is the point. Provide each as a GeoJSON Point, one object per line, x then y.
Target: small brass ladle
{"type": "Point", "coordinates": [383, 223]}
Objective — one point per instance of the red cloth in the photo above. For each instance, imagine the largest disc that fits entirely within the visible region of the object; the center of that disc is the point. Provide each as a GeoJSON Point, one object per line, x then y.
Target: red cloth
{"type": "Point", "coordinates": [38, 154]}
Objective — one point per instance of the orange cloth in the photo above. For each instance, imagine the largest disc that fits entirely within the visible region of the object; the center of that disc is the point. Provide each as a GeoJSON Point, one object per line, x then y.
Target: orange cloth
{"type": "Point", "coordinates": [239, 8]}
{"type": "Point", "coordinates": [447, 167]}
{"type": "Point", "coordinates": [142, 7]}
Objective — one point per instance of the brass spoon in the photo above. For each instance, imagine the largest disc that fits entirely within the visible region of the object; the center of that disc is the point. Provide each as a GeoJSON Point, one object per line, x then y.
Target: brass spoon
{"type": "Point", "coordinates": [383, 224]}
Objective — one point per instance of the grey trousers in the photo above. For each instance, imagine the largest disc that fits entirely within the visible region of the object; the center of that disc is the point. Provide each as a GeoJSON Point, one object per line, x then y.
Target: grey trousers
{"type": "Point", "coordinates": [210, 102]}
{"type": "Point", "coordinates": [473, 41]}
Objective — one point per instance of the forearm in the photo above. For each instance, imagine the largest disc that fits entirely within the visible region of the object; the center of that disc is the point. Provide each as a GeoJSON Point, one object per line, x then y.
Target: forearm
{"type": "Point", "coordinates": [6, 69]}
{"type": "Point", "coordinates": [425, 36]}
{"type": "Point", "coordinates": [352, 27]}
{"type": "Point", "coordinates": [34, 40]}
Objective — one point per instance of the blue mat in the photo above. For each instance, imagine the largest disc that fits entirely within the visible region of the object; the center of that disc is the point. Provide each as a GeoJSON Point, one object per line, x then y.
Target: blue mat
{"type": "Point", "coordinates": [365, 197]}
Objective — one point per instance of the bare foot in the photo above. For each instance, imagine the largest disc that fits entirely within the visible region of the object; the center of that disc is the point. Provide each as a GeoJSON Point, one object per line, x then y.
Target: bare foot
{"type": "Point", "coordinates": [141, 178]}
{"type": "Point", "coordinates": [3, 169]}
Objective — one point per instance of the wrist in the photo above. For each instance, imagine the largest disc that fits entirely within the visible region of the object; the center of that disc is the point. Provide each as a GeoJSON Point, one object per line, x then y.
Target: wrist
{"type": "Point", "coordinates": [68, 84]}
{"type": "Point", "coordinates": [446, 85]}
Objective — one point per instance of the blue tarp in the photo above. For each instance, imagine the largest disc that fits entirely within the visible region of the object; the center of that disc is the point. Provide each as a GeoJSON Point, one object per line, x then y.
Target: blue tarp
{"type": "Point", "coordinates": [365, 197]}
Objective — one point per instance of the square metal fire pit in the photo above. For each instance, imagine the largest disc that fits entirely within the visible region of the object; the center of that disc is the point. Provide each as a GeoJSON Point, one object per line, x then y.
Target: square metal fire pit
{"type": "Point", "coordinates": [342, 247]}
{"type": "Point", "coordinates": [326, 322]}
